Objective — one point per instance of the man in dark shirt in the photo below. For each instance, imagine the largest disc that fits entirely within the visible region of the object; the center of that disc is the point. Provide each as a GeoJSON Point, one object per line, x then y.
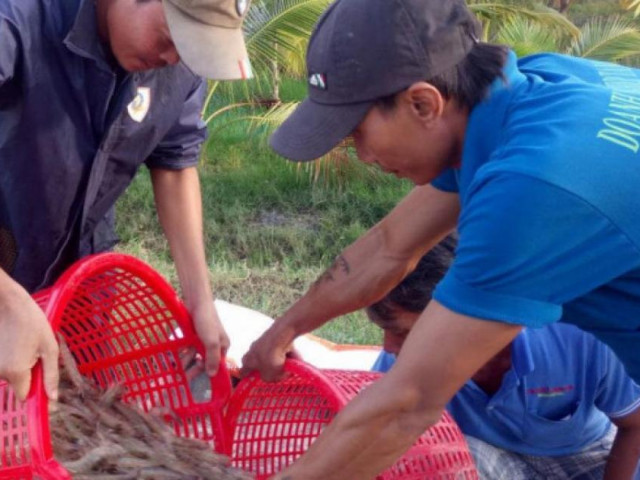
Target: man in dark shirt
{"type": "Point", "coordinates": [88, 92]}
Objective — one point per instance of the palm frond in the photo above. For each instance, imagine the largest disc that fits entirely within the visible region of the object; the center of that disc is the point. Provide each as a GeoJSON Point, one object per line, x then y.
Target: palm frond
{"type": "Point", "coordinates": [275, 28]}
{"type": "Point", "coordinates": [494, 14]}
{"type": "Point", "coordinates": [633, 5]}
{"type": "Point", "coordinates": [612, 39]}
{"type": "Point", "coordinates": [273, 117]}
{"type": "Point", "coordinates": [526, 37]}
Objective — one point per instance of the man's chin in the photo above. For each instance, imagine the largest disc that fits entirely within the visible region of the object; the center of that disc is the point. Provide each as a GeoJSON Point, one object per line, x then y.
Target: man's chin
{"type": "Point", "coordinates": [421, 180]}
{"type": "Point", "coordinates": [135, 65]}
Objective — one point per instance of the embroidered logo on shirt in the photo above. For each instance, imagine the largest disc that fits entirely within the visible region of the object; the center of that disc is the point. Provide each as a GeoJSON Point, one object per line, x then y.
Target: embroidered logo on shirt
{"type": "Point", "coordinates": [550, 391]}
{"type": "Point", "coordinates": [139, 107]}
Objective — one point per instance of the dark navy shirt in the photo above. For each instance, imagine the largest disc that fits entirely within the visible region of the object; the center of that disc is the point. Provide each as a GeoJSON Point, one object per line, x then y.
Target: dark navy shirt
{"type": "Point", "coordinates": [73, 131]}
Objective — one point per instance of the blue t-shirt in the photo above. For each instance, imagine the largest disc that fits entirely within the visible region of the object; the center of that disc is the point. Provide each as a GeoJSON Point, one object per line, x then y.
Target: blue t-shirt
{"type": "Point", "coordinates": [554, 400]}
{"type": "Point", "coordinates": [549, 187]}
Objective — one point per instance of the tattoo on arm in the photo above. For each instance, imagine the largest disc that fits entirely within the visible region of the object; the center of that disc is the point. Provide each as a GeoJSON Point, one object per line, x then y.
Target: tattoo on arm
{"type": "Point", "coordinates": [339, 263]}
{"type": "Point", "coordinates": [344, 265]}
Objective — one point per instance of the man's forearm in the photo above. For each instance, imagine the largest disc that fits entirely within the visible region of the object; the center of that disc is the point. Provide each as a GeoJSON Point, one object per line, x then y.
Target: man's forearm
{"type": "Point", "coordinates": [369, 435]}
{"type": "Point", "coordinates": [623, 458]}
{"type": "Point", "coordinates": [374, 264]}
{"type": "Point", "coordinates": [358, 276]}
{"type": "Point", "coordinates": [384, 420]}
{"type": "Point", "coordinates": [179, 206]}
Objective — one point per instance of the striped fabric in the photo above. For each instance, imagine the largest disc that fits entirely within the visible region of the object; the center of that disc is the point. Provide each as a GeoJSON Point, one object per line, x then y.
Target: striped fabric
{"type": "Point", "coordinates": [497, 464]}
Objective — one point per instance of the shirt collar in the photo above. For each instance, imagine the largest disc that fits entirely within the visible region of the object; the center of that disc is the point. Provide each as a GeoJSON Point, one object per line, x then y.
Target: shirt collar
{"type": "Point", "coordinates": [485, 126]}
{"type": "Point", "coordinates": [486, 117]}
{"type": "Point", "coordinates": [511, 76]}
{"type": "Point", "coordinates": [83, 38]}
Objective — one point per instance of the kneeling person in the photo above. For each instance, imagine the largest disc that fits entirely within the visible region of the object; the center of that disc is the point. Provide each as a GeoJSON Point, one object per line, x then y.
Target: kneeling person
{"type": "Point", "coordinates": [542, 407]}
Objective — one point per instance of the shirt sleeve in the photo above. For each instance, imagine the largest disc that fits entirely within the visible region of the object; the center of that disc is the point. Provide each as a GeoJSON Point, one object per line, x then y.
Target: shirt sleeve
{"type": "Point", "coordinates": [384, 362]}
{"type": "Point", "coordinates": [618, 395]}
{"type": "Point", "coordinates": [447, 181]}
{"type": "Point", "coordinates": [526, 247]}
{"type": "Point", "coordinates": [9, 51]}
{"type": "Point", "coordinates": [180, 148]}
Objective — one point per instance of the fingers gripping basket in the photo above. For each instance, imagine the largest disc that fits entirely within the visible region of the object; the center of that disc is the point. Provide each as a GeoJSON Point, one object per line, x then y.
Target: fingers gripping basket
{"type": "Point", "coordinates": [271, 424]}
{"type": "Point", "coordinates": [123, 324]}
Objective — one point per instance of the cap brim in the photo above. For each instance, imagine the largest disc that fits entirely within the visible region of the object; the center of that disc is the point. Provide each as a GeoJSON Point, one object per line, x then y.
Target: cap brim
{"type": "Point", "coordinates": [314, 129]}
{"type": "Point", "coordinates": [212, 52]}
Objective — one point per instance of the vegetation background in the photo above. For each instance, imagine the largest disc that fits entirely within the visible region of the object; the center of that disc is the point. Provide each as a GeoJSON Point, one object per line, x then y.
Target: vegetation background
{"type": "Point", "coordinates": [272, 227]}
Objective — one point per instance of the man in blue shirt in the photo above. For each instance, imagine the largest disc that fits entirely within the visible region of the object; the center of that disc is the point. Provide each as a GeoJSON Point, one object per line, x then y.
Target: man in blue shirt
{"type": "Point", "coordinates": [90, 90]}
{"type": "Point", "coordinates": [540, 408]}
{"type": "Point", "coordinates": [534, 161]}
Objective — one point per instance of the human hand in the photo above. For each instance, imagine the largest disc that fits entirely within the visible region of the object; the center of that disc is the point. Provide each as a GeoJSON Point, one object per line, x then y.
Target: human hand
{"type": "Point", "coordinates": [26, 337]}
{"type": "Point", "coordinates": [268, 353]}
{"type": "Point", "coordinates": [211, 332]}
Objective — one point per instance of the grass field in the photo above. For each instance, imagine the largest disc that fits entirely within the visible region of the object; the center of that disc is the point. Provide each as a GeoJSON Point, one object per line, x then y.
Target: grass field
{"type": "Point", "coordinates": [270, 229]}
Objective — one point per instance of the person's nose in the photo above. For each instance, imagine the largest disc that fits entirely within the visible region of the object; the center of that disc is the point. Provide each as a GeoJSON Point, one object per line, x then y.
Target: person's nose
{"type": "Point", "coordinates": [392, 343]}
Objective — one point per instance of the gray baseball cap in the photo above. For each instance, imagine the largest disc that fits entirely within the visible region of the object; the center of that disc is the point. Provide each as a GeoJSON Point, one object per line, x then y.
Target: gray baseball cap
{"type": "Point", "coordinates": [208, 36]}
{"type": "Point", "coordinates": [363, 50]}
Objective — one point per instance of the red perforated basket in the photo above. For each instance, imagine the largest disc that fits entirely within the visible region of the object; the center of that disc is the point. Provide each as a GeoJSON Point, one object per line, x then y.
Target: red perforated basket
{"type": "Point", "coordinates": [123, 324]}
{"type": "Point", "coordinates": [271, 424]}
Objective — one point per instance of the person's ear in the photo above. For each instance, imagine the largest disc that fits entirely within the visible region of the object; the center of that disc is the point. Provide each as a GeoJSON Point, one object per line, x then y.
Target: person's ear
{"type": "Point", "coordinates": [425, 101]}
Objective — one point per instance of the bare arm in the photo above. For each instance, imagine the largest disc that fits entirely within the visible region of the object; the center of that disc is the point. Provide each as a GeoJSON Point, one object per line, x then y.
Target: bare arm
{"type": "Point", "coordinates": [364, 272]}
{"type": "Point", "coordinates": [179, 204]}
{"type": "Point", "coordinates": [625, 453]}
{"type": "Point", "coordinates": [25, 337]}
{"type": "Point", "coordinates": [442, 351]}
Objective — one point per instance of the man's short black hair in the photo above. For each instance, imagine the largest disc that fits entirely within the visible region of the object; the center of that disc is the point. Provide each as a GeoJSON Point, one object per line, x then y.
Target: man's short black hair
{"type": "Point", "coordinates": [414, 292]}
{"type": "Point", "coordinates": [469, 81]}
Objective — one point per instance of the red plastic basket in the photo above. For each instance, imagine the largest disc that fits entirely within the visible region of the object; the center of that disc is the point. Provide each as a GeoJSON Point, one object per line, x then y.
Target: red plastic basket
{"type": "Point", "coordinates": [272, 424]}
{"type": "Point", "coordinates": [123, 324]}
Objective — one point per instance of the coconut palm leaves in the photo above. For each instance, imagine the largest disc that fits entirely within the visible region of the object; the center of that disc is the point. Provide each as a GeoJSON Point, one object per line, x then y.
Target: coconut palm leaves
{"type": "Point", "coordinates": [277, 32]}
{"type": "Point", "coordinates": [612, 39]}
{"type": "Point", "coordinates": [526, 37]}
{"type": "Point", "coordinates": [633, 5]}
{"type": "Point", "coordinates": [279, 29]}
{"type": "Point", "coordinates": [495, 14]}
{"type": "Point", "coordinates": [276, 35]}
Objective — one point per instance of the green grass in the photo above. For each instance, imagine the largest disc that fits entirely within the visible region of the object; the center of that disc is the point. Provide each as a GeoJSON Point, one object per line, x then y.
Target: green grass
{"type": "Point", "coordinates": [270, 229]}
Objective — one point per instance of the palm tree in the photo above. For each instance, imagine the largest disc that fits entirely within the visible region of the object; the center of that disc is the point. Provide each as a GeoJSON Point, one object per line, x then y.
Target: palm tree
{"type": "Point", "coordinates": [610, 39]}
{"type": "Point", "coordinates": [494, 15]}
{"type": "Point", "coordinates": [277, 33]}
{"type": "Point", "coordinates": [632, 5]}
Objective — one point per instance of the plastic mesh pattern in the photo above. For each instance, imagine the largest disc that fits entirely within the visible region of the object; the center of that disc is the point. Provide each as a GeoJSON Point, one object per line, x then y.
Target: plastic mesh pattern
{"type": "Point", "coordinates": [124, 325]}
{"type": "Point", "coordinates": [14, 451]}
{"type": "Point", "coordinates": [272, 424]}
{"type": "Point", "coordinates": [120, 330]}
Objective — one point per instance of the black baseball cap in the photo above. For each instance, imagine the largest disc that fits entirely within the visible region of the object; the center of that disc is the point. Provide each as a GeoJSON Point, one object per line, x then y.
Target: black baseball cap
{"type": "Point", "coordinates": [363, 50]}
